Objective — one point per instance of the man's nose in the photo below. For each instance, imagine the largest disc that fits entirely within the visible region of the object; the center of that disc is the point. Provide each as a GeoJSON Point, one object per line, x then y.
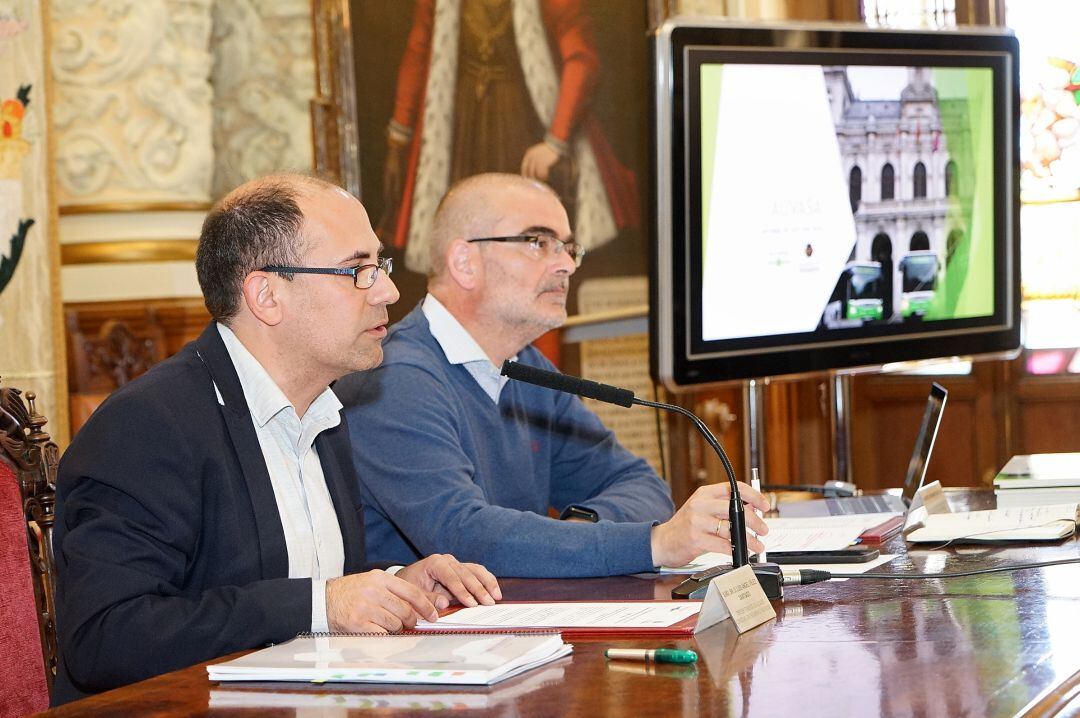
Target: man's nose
{"type": "Point", "coordinates": [564, 263]}
{"type": "Point", "coordinates": [384, 291]}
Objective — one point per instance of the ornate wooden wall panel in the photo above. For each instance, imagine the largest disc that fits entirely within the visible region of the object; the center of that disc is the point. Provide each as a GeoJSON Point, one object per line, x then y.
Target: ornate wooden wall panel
{"type": "Point", "coordinates": [168, 323]}
{"type": "Point", "coordinates": [692, 462]}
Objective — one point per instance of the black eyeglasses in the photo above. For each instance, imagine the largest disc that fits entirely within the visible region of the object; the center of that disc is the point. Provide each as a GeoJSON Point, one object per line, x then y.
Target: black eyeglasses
{"type": "Point", "coordinates": [542, 246]}
{"type": "Point", "coordinates": [363, 276]}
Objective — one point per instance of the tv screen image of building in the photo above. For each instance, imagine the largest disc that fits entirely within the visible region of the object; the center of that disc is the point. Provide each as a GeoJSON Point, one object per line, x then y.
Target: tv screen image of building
{"type": "Point", "coordinates": [879, 207]}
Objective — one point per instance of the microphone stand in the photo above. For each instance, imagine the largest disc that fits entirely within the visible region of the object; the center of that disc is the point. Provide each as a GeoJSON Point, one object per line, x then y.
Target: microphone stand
{"type": "Point", "coordinates": [769, 575]}
{"type": "Point", "coordinates": [740, 555]}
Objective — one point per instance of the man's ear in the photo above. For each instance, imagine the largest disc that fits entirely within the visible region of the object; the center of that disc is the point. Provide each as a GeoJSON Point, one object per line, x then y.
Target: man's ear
{"type": "Point", "coordinates": [463, 264]}
{"type": "Point", "coordinates": [261, 298]}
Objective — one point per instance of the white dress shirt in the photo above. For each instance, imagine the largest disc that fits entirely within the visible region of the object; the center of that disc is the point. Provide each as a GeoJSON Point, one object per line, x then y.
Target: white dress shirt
{"type": "Point", "coordinates": [460, 348]}
{"type": "Point", "coordinates": [312, 534]}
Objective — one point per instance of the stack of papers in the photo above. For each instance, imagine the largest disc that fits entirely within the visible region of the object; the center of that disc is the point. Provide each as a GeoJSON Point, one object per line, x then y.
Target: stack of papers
{"type": "Point", "coordinates": [1039, 480]}
{"type": "Point", "coordinates": [396, 658]}
{"type": "Point", "coordinates": [824, 533]}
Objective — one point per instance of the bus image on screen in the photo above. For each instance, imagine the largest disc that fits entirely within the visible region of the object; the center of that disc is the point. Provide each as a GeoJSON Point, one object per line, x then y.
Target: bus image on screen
{"type": "Point", "coordinates": [857, 298]}
{"type": "Point", "coordinates": [919, 273]}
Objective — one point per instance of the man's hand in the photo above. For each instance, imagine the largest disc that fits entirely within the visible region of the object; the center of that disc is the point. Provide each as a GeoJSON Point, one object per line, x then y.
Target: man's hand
{"type": "Point", "coordinates": [445, 578]}
{"type": "Point", "coordinates": [538, 161]}
{"type": "Point", "coordinates": [701, 525]}
{"type": "Point", "coordinates": [375, 601]}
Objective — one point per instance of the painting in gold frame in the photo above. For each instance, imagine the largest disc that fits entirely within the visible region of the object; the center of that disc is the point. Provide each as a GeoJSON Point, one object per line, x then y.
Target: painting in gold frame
{"type": "Point", "coordinates": [555, 89]}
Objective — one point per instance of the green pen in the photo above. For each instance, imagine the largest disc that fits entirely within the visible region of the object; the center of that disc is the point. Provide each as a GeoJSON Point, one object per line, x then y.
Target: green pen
{"type": "Point", "coordinates": [657, 655]}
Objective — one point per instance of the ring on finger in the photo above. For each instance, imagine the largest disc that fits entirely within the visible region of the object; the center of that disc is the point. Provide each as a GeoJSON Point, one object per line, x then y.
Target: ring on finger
{"type": "Point", "coordinates": [719, 525]}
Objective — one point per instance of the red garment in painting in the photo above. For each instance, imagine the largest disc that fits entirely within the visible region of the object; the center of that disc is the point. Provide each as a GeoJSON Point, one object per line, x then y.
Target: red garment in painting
{"type": "Point", "coordinates": [568, 33]}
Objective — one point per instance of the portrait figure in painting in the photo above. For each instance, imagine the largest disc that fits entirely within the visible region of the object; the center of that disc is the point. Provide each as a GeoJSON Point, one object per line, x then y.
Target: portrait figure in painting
{"type": "Point", "coordinates": [500, 85]}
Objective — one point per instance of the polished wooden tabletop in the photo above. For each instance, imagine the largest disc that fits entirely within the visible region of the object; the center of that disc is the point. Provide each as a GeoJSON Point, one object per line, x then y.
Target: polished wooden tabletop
{"type": "Point", "coordinates": [995, 645]}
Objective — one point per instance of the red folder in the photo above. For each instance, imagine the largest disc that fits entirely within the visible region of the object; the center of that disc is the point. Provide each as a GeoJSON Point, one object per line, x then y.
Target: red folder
{"type": "Point", "coordinates": [883, 531]}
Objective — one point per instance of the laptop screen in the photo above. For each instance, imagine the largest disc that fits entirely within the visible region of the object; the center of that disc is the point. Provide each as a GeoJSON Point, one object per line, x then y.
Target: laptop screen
{"type": "Point", "coordinates": [924, 443]}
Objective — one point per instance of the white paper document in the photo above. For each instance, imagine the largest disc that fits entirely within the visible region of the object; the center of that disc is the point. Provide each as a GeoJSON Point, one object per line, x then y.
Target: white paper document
{"type": "Point", "coordinates": [824, 533]}
{"type": "Point", "coordinates": [604, 614]}
{"type": "Point", "coordinates": [1022, 523]}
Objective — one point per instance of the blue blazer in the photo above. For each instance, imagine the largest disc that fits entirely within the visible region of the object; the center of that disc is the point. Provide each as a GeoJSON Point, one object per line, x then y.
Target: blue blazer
{"type": "Point", "coordinates": [169, 546]}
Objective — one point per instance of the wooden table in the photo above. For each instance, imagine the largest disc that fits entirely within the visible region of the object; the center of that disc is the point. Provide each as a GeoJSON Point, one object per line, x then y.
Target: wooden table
{"type": "Point", "coordinates": [997, 645]}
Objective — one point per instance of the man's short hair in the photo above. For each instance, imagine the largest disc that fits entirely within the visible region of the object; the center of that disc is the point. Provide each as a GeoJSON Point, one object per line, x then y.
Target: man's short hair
{"type": "Point", "coordinates": [462, 211]}
{"type": "Point", "coordinates": [255, 225]}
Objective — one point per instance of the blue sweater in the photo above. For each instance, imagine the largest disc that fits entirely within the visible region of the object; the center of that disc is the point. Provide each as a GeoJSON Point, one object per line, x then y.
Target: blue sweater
{"type": "Point", "coordinates": [443, 469]}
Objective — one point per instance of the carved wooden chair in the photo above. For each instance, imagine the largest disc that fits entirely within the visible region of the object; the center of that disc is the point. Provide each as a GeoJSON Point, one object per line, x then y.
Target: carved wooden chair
{"type": "Point", "coordinates": [28, 460]}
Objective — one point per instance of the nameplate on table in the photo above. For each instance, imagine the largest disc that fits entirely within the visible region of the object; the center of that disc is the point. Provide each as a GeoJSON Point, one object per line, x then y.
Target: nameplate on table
{"type": "Point", "coordinates": [933, 497]}
{"type": "Point", "coordinates": [736, 594]}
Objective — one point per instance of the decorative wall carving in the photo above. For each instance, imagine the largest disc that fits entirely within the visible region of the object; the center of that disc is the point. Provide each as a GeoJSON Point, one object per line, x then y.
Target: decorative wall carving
{"type": "Point", "coordinates": [112, 342]}
{"type": "Point", "coordinates": [133, 100]}
{"type": "Point", "coordinates": [264, 79]}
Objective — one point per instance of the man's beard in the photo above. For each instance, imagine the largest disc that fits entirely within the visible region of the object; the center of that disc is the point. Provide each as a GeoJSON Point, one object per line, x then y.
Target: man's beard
{"type": "Point", "coordinates": [531, 325]}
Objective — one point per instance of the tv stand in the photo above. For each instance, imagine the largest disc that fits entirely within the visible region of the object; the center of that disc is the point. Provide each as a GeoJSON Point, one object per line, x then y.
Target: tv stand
{"type": "Point", "coordinates": [839, 413]}
{"type": "Point", "coordinates": [754, 438]}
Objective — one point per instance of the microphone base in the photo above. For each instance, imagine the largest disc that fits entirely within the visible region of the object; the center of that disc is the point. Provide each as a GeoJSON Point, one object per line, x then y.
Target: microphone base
{"type": "Point", "coordinates": [769, 575]}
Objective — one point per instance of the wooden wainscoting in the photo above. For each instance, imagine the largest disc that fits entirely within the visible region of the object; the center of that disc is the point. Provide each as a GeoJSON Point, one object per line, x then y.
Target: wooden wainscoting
{"type": "Point", "coordinates": [994, 412]}
{"type": "Point", "coordinates": [1044, 412]}
{"type": "Point", "coordinates": [798, 439]}
{"type": "Point", "coordinates": [887, 411]}
{"type": "Point", "coordinates": [997, 411]}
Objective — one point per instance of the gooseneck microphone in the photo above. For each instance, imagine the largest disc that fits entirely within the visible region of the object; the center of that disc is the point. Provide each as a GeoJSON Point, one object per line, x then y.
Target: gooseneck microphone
{"type": "Point", "coordinates": [769, 575]}
{"type": "Point", "coordinates": [624, 397]}
{"type": "Point", "coordinates": [573, 385]}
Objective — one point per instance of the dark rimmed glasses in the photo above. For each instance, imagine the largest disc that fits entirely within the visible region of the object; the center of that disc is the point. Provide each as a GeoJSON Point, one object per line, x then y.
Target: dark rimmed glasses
{"type": "Point", "coordinates": [542, 246]}
{"type": "Point", "coordinates": [363, 276]}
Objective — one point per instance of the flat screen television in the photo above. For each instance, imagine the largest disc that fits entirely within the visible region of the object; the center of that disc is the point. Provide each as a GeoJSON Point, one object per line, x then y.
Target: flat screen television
{"type": "Point", "coordinates": [830, 197]}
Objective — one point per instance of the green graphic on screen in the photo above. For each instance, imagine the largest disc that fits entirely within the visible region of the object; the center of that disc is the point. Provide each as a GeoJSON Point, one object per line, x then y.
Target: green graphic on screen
{"type": "Point", "coordinates": [844, 196]}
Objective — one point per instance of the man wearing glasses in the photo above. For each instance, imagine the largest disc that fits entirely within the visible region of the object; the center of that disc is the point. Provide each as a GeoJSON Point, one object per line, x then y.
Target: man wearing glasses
{"type": "Point", "coordinates": [470, 464]}
{"type": "Point", "coordinates": [211, 505]}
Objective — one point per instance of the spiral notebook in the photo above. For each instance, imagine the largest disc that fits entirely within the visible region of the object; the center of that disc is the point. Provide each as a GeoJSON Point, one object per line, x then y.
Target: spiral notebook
{"type": "Point", "coordinates": [451, 659]}
{"type": "Point", "coordinates": [307, 699]}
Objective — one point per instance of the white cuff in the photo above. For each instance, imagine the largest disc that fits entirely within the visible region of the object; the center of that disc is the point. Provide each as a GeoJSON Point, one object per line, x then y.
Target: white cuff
{"type": "Point", "coordinates": [319, 622]}
{"type": "Point", "coordinates": [393, 570]}
{"type": "Point", "coordinates": [399, 133]}
{"type": "Point", "coordinates": [560, 147]}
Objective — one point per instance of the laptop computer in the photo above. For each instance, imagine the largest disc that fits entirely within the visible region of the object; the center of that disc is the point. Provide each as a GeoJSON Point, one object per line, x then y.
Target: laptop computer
{"type": "Point", "coordinates": [916, 472]}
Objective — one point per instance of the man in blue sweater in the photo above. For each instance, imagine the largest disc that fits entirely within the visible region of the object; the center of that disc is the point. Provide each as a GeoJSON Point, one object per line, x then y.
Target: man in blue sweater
{"type": "Point", "coordinates": [456, 459]}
